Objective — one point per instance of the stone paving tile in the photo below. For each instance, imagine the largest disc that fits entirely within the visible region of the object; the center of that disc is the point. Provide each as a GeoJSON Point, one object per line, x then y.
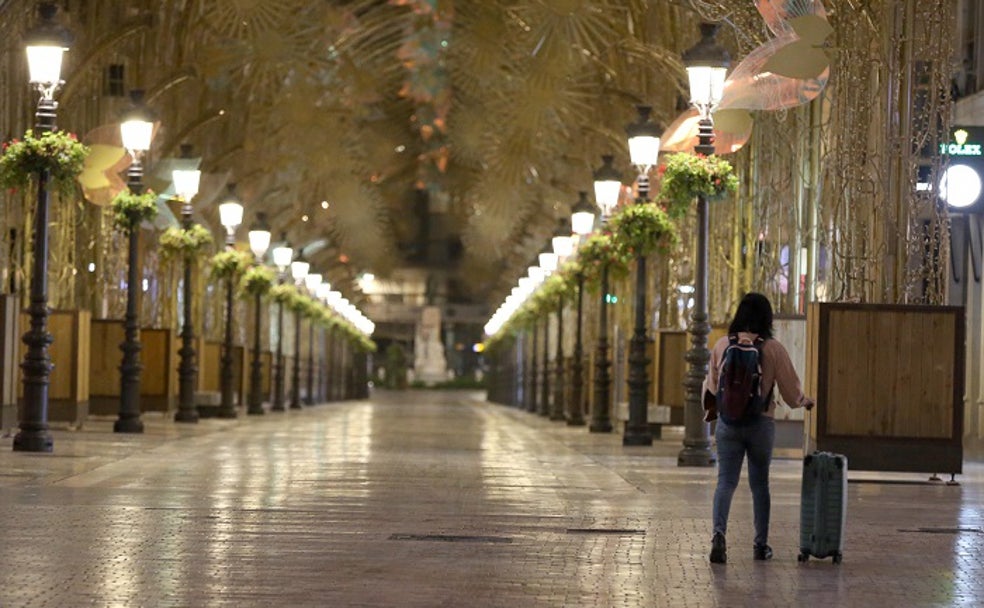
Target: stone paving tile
{"type": "Point", "coordinates": [437, 499]}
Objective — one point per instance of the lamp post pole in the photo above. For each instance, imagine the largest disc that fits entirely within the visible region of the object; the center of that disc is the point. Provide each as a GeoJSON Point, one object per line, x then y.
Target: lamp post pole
{"type": "Point", "coordinates": [313, 281]}
{"type": "Point", "coordinates": [255, 404]}
{"type": "Point", "coordinates": [644, 140]}
{"type": "Point", "coordinates": [608, 188]}
{"type": "Point", "coordinates": [259, 242]}
{"type": "Point", "coordinates": [231, 215]}
{"type": "Point", "coordinates": [282, 257]}
{"type": "Point", "coordinates": [707, 65]}
{"type": "Point", "coordinates": [299, 270]}
{"type": "Point", "coordinates": [582, 223]}
{"type": "Point", "coordinates": [136, 130]}
{"type": "Point", "coordinates": [295, 385]}
{"type": "Point", "coordinates": [33, 434]}
{"type": "Point", "coordinates": [187, 368]}
{"type": "Point", "coordinates": [278, 376]}
{"type": "Point", "coordinates": [310, 377]}
{"type": "Point", "coordinates": [576, 415]}
{"type": "Point", "coordinates": [601, 421]}
{"type": "Point", "coordinates": [535, 333]}
{"type": "Point", "coordinates": [557, 410]}
{"type": "Point", "coordinates": [697, 442]}
{"type": "Point", "coordinates": [544, 404]}
{"type": "Point", "coordinates": [186, 184]}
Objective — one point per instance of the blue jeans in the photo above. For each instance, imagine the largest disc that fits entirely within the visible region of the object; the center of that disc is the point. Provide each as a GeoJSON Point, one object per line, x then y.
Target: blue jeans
{"type": "Point", "coordinates": [733, 442]}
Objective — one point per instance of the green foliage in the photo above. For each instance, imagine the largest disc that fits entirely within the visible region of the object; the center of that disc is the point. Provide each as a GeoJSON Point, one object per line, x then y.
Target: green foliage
{"type": "Point", "coordinates": [257, 280]}
{"type": "Point", "coordinates": [229, 264]}
{"type": "Point", "coordinates": [687, 175]}
{"type": "Point", "coordinates": [130, 210]}
{"type": "Point", "coordinates": [58, 152]}
{"type": "Point", "coordinates": [644, 229]}
{"type": "Point", "coordinates": [282, 293]}
{"type": "Point", "coordinates": [600, 251]}
{"type": "Point", "coordinates": [187, 244]}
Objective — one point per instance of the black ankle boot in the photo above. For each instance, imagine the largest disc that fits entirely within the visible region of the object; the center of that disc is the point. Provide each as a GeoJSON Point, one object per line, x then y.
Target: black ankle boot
{"type": "Point", "coordinates": [719, 550]}
{"type": "Point", "coordinates": [762, 552]}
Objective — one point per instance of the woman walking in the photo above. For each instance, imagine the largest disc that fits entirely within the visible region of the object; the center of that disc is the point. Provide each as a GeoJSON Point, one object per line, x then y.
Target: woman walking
{"type": "Point", "coordinates": [753, 432]}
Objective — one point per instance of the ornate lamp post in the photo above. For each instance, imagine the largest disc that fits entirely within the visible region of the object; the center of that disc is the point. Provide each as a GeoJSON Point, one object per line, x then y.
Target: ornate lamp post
{"type": "Point", "coordinates": [186, 185]}
{"type": "Point", "coordinates": [298, 270]}
{"type": "Point", "coordinates": [535, 276]}
{"type": "Point", "coordinates": [282, 256]}
{"type": "Point", "coordinates": [230, 215]}
{"type": "Point", "coordinates": [259, 242]}
{"type": "Point", "coordinates": [644, 142]}
{"type": "Point", "coordinates": [323, 290]}
{"type": "Point", "coordinates": [313, 282]}
{"type": "Point", "coordinates": [46, 44]}
{"type": "Point", "coordinates": [563, 246]}
{"type": "Point", "coordinates": [136, 130]}
{"type": "Point", "coordinates": [607, 186]}
{"type": "Point", "coordinates": [582, 223]}
{"type": "Point", "coordinates": [707, 65]}
{"type": "Point", "coordinates": [548, 264]}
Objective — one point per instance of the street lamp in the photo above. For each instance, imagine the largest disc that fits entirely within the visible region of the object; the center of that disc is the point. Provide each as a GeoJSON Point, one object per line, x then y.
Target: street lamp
{"type": "Point", "coordinates": [259, 242]}
{"type": "Point", "coordinates": [282, 256]}
{"type": "Point", "coordinates": [644, 136]}
{"type": "Point", "coordinates": [562, 245]}
{"type": "Point", "coordinates": [186, 186]}
{"type": "Point", "coordinates": [313, 282]}
{"type": "Point", "coordinates": [548, 263]}
{"type": "Point", "coordinates": [45, 44]}
{"type": "Point", "coordinates": [582, 223]}
{"type": "Point", "coordinates": [323, 290]}
{"type": "Point", "coordinates": [607, 187]}
{"type": "Point", "coordinates": [230, 216]}
{"type": "Point", "coordinates": [707, 65]}
{"type": "Point", "coordinates": [298, 271]}
{"type": "Point", "coordinates": [136, 130]}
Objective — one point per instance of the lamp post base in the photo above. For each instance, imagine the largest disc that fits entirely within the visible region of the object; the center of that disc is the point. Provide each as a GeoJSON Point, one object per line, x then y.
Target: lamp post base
{"type": "Point", "coordinates": [128, 425]}
{"type": "Point", "coordinates": [34, 441]}
{"type": "Point", "coordinates": [636, 436]}
{"type": "Point", "coordinates": [696, 456]}
{"type": "Point", "coordinates": [186, 415]}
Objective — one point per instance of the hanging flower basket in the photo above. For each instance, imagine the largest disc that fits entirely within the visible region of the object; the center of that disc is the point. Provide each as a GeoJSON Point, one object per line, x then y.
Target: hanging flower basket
{"type": "Point", "coordinates": [257, 280]}
{"type": "Point", "coordinates": [130, 210]}
{"type": "Point", "coordinates": [188, 244]}
{"type": "Point", "coordinates": [282, 293]}
{"type": "Point", "coordinates": [229, 264]}
{"type": "Point", "coordinates": [600, 251]}
{"type": "Point", "coordinates": [684, 176]}
{"type": "Point", "coordinates": [644, 229]}
{"type": "Point", "coordinates": [58, 152]}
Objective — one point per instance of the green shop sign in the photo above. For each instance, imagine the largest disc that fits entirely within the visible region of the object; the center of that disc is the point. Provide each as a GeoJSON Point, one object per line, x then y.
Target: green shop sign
{"type": "Point", "coordinates": [964, 141]}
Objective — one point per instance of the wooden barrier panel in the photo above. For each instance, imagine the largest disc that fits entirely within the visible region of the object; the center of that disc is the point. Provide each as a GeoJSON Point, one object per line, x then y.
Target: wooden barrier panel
{"type": "Point", "coordinates": [68, 391]}
{"type": "Point", "coordinates": [889, 385]}
{"type": "Point", "coordinates": [670, 367]}
{"type": "Point", "coordinates": [209, 364]}
{"type": "Point", "coordinates": [158, 376]}
{"type": "Point", "coordinates": [10, 335]}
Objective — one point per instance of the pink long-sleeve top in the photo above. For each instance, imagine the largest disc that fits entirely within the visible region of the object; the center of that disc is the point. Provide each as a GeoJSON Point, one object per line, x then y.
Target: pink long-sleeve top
{"type": "Point", "coordinates": [777, 369]}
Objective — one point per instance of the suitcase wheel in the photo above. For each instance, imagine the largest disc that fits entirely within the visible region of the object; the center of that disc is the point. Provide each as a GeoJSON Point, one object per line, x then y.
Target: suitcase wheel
{"type": "Point", "coordinates": [837, 558]}
{"type": "Point", "coordinates": [803, 557]}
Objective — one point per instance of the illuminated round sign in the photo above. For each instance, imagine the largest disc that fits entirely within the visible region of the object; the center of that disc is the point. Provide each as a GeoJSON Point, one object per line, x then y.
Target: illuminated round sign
{"type": "Point", "coordinates": [960, 186]}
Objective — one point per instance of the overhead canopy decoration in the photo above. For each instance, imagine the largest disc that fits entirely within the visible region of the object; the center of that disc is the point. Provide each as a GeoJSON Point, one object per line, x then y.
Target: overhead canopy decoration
{"type": "Point", "coordinates": [789, 70]}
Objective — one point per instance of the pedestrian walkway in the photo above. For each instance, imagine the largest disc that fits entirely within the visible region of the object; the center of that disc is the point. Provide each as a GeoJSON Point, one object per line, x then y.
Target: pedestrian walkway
{"type": "Point", "coordinates": [440, 499]}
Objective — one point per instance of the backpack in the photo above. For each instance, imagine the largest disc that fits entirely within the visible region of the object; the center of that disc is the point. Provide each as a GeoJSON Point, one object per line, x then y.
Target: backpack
{"type": "Point", "coordinates": [739, 397]}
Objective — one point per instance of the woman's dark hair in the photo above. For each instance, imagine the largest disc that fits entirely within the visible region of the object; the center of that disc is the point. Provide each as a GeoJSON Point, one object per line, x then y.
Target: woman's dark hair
{"type": "Point", "coordinates": [754, 315]}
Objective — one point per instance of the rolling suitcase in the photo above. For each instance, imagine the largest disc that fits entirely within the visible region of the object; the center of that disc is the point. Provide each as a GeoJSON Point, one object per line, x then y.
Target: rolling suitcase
{"type": "Point", "coordinates": [823, 506]}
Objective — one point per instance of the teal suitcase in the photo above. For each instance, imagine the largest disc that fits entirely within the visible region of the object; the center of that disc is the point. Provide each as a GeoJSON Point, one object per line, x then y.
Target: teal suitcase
{"type": "Point", "coordinates": [823, 506]}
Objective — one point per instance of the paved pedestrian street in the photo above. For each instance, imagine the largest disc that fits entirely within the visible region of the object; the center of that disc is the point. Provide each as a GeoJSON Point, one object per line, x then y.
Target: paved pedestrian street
{"type": "Point", "coordinates": [442, 499]}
